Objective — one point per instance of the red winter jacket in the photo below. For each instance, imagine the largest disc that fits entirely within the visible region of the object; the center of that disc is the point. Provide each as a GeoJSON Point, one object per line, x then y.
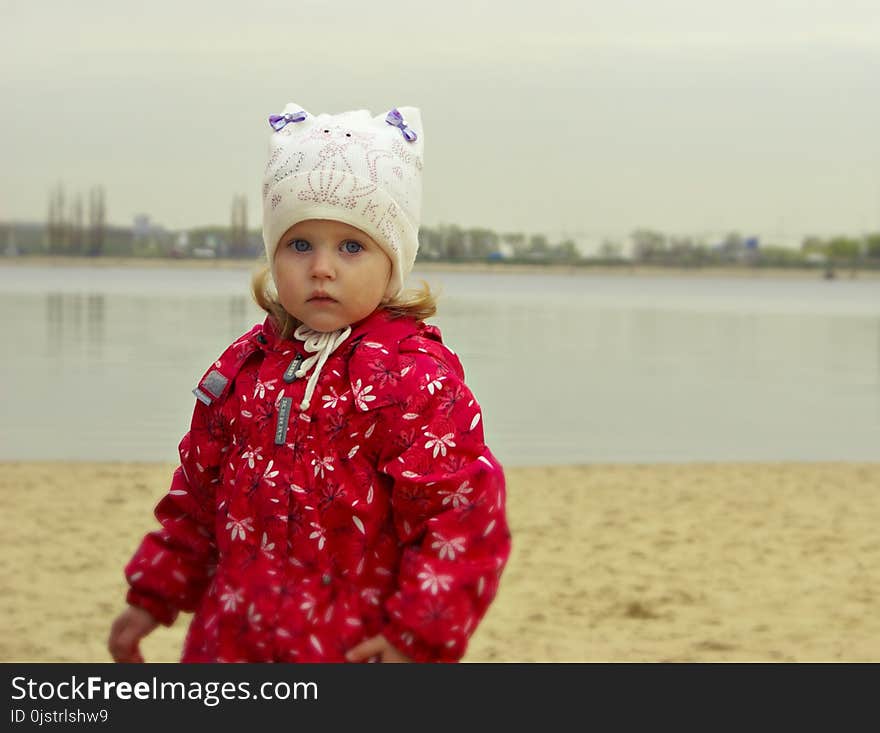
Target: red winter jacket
{"type": "Point", "coordinates": [379, 509]}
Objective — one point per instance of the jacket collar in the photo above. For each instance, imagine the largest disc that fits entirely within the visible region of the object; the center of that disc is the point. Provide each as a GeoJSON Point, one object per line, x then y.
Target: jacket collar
{"type": "Point", "coordinates": [380, 324]}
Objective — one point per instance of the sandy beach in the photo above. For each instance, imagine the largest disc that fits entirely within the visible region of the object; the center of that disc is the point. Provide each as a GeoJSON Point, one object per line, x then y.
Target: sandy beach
{"type": "Point", "coordinates": [702, 562]}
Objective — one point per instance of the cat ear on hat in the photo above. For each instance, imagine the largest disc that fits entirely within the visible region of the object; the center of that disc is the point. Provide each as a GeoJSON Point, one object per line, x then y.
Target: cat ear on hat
{"type": "Point", "coordinates": [409, 121]}
{"type": "Point", "coordinates": [413, 117]}
{"type": "Point", "coordinates": [292, 114]}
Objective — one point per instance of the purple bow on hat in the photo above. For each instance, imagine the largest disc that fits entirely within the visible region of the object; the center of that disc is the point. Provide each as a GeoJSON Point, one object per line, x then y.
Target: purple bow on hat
{"type": "Point", "coordinates": [396, 119]}
{"type": "Point", "coordinates": [279, 122]}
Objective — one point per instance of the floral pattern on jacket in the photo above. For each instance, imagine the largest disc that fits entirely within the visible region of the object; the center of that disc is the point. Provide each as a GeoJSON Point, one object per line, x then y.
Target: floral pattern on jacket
{"type": "Point", "coordinates": [378, 509]}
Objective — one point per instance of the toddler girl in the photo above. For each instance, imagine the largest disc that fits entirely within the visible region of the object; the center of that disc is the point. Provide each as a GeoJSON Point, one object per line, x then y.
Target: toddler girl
{"type": "Point", "coordinates": [335, 498]}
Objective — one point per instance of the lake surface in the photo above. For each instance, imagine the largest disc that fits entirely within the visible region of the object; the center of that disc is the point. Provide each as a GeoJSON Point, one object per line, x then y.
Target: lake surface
{"type": "Point", "coordinates": [99, 363]}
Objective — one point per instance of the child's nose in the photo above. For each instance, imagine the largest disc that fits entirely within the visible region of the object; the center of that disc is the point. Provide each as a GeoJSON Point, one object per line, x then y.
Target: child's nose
{"type": "Point", "coordinates": [322, 264]}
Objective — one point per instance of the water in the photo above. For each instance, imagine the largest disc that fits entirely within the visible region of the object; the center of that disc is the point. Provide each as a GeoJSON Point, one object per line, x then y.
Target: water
{"type": "Point", "coordinates": [99, 363]}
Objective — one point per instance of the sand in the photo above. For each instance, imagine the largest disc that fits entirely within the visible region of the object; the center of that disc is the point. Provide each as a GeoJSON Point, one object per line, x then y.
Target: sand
{"type": "Point", "coordinates": [703, 562]}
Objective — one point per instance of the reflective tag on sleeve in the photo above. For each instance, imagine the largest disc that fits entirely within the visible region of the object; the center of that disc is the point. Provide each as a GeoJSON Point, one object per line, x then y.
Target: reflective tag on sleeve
{"type": "Point", "coordinates": [202, 396]}
{"type": "Point", "coordinates": [214, 383]}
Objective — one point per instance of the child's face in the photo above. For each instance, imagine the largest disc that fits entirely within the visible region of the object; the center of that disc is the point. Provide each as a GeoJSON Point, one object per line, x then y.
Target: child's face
{"type": "Point", "coordinates": [329, 274]}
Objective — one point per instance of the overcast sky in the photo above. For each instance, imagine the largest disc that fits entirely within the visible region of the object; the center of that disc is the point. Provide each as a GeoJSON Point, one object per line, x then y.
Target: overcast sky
{"type": "Point", "coordinates": [584, 116]}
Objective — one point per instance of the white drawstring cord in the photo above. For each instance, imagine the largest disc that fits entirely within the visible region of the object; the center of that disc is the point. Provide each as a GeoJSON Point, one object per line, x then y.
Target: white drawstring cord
{"type": "Point", "coordinates": [321, 345]}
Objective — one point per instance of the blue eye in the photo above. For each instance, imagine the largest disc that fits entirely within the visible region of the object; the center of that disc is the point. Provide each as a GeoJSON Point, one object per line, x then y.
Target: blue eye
{"type": "Point", "coordinates": [300, 245]}
{"type": "Point", "coordinates": [352, 247]}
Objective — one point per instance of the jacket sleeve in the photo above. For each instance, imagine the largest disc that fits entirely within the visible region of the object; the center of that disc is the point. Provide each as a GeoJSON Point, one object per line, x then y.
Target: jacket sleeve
{"type": "Point", "coordinates": [448, 504]}
{"type": "Point", "coordinates": [173, 566]}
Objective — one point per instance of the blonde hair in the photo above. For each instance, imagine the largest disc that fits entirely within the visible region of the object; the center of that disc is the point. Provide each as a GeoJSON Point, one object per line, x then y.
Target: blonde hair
{"type": "Point", "coordinates": [419, 304]}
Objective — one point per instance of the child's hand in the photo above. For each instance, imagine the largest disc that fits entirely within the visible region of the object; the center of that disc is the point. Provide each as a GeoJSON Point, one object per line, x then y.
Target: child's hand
{"type": "Point", "coordinates": [378, 646]}
{"type": "Point", "coordinates": [132, 625]}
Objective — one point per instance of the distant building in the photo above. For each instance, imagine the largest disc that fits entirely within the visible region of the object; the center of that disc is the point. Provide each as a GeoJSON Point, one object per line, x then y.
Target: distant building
{"type": "Point", "coordinates": [141, 227]}
{"type": "Point", "coordinates": [11, 250]}
{"type": "Point", "coordinates": [148, 238]}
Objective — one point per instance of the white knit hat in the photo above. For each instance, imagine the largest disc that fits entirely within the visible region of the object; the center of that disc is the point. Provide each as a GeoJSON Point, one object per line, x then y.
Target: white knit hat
{"type": "Point", "coordinates": [351, 167]}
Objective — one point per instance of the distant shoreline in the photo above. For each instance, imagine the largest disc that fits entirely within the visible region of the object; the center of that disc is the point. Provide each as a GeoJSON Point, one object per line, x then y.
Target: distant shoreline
{"type": "Point", "coordinates": [472, 267]}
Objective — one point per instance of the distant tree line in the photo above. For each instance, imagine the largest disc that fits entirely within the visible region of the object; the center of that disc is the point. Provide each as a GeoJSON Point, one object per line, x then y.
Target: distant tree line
{"type": "Point", "coordinates": [653, 247]}
{"type": "Point", "coordinates": [66, 231]}
{"type": "Point", "coordinates": [646, 246]}
{"type": "Point", "coordinates": [452, 243]}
